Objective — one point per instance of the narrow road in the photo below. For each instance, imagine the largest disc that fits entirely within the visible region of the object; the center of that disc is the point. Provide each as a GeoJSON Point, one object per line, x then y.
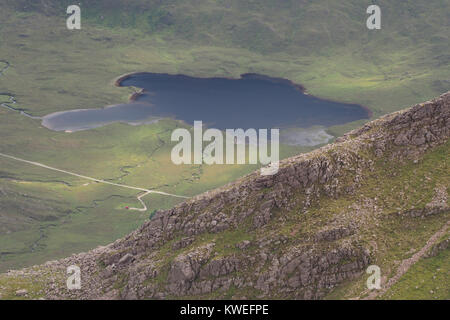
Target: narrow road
{"type": "Point", "coordinates": [146, 191]}
{"type": "Point", "coordinates": [144, 206]}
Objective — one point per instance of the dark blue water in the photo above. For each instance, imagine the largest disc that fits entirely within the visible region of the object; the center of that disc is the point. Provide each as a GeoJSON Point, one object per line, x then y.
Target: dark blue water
{"type": "Point", "coordinates": [250, 102]}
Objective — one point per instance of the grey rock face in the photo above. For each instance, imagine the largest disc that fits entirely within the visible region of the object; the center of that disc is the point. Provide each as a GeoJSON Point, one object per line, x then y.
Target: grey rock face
{"type": "Point", "coordinates": [21, 293]}
{"type": "Point", "coordinates": [439, 247]}
{"type": "Point", "coordinates": [126, 258]}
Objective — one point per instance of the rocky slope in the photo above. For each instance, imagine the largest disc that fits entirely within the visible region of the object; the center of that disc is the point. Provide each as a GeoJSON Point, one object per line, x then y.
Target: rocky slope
{"type": "Point", "coordinates": [302, 233]}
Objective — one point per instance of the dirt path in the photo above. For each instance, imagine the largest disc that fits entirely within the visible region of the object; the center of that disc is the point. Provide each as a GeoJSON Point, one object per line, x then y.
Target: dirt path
{"type": "Point", "coordinates": [407, 263]}
{"type": "Point", "coordinates": [144, 206]}
{"type": "Point", "coordinates": [146, 191]}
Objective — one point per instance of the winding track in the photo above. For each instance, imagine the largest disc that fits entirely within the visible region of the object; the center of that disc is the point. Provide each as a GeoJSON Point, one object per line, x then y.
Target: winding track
{"type": "Point", "coordinates": [147, 191]}
{"type": "Point", "coordinates": [139, 198]}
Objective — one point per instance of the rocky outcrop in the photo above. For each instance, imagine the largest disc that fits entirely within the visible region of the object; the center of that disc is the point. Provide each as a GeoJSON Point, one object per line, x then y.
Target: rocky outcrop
{"type": "Point", "coordinates": [438, 204]}
{"type": "Point", "coordinates": [438, 248]}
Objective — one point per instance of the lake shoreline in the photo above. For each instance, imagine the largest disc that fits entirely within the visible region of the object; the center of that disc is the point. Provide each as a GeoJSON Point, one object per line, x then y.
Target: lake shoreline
{"type": "Point", "coordinates": [134, 96]}
{"type": "Point", "coordinates": [287, 101]}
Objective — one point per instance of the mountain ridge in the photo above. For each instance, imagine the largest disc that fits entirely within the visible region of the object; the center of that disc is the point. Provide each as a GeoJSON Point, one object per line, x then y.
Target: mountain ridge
{"type": "Point", "coordinates": [248, 238]}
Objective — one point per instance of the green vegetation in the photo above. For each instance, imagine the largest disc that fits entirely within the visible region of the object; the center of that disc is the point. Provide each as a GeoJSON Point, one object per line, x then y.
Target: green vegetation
{"type": "Point", "coordinates": [398, 188]}
{"type": "Point", "coordinates": [390, 188]}
{"type": "Point", "coordinates": [46, 214]}
{"type": "Point", "coordinates": [427, 279]}
{"type": "Point", "coordinates": [33, 285]}
{"type": "Point", "coordinates": [323, 45]}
